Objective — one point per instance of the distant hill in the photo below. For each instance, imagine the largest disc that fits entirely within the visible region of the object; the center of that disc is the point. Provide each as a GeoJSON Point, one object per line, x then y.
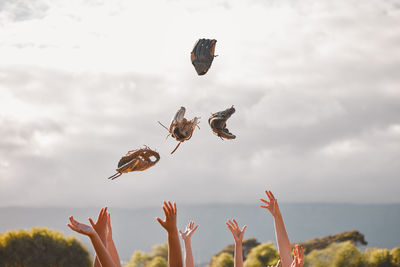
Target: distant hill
{"type": "Point", "coordinates": [137, 229]}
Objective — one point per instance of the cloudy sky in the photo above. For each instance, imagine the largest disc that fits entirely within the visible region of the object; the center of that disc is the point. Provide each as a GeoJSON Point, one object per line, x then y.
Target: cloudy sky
{"type": "Point", "coordinates": [316, 87]}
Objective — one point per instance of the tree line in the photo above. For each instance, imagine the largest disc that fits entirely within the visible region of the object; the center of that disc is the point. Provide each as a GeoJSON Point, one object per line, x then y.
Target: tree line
{"type": "Point", "coordinates": [43, 247]}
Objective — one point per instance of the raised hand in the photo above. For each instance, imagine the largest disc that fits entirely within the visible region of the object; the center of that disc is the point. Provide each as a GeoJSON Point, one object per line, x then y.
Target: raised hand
{"type": "Point", "coordinates": [169, 224]}
{"type": "Point", "coordinates": [298, 257]}
{"type": "Point", "coordinates": [238, 236]}
{"type": "Point", "coordinates": [190, 229]}
{"type": "Point", "coordinates": [186, 236]}
{"type": "Point", "coordinates": [103, 255]}
{"type": "Point", "coordinates": [81, 227]}
{"type": "Point", "coordinates": [236, 232]}
{"type": "Point", "coordinates": [271, 204]}
{"type": "Point", "coordinates": [170, 211]}
{"type": "Point", "coordinates": [101, 225]}
{"type": "Point", "coordinates": [282, 238]}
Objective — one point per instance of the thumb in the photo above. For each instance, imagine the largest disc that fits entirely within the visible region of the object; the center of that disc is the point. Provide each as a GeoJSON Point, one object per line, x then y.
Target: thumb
{"type": "Point", "coordinates": [160, 221]}
{"type": "Point", "coordinates": [92, 223]}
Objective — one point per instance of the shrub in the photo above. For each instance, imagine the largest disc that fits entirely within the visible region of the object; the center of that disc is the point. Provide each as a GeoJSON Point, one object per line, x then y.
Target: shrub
{"type": "Point", "coordinates": [41, 247]}
{"type": "Point", "coordinates": [222, 260]}
{"type": "Point", "coordinates": [262, 255]}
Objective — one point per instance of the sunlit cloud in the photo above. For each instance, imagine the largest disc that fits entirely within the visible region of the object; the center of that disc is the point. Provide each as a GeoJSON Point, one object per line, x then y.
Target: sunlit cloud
{"type": "Point", "coordinates": [315, 85]}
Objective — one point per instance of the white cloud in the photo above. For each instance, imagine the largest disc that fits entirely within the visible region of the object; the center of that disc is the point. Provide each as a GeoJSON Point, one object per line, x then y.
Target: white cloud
{"type": "Point", "coordinates": [315, 85]}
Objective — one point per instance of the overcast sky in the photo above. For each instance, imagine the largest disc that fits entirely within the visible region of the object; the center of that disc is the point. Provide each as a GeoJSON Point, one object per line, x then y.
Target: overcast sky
{"type": "Point", "coordinates": [315, 84]}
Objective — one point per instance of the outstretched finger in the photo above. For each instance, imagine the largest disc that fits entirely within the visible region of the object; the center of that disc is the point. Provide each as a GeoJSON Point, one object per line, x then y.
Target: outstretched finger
{"type": "Point", "coordinates": [175, 210]}
{"type": "Point", "coordinates": [244, 228]}
{"type": "Point", "coordinates": [300, 253]}
{"type": "Point", "coordinates": [236, 224]}
{"type": "Point", "coordinates": [230, 228]}
{"type": "Point", "coordinates": [72, 220]}
{"type": "Point", "coordinates": [166, 212]}
{"type": "Point", "coordinates": [108, 220]}
{"type": "Point", "coordinates": [170, 208]}
{"type": "Point", "coordinates": [160, 221]}
{"type": "Point", "coordinates": [230, 224]}
{"type": "Point", "coordinates": [269, 195]}
{"type": "Point", "coordinates": [194, 229]}
{"type": "Point", "coordinates": [72, 227]}
{"type": "Point", "coordinates": [92, 222]}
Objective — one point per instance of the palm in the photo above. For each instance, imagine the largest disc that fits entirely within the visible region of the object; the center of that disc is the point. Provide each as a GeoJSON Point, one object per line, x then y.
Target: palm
{"type": "Point", "coordinates": [80, 227]}
{"type": "Point", "coordinates": [101, 224]}
{"type": "Point", "coordinates": [190, 229]}
{"type": "Point", "coordinates": [170, 212]}
{"type": "Point", "coordinates": [235, 230]}
{"type": "Point", "coordinates": [271, 204]}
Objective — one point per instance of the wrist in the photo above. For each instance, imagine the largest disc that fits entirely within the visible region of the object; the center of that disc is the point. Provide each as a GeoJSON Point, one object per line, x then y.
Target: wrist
{"type": "Point", "coordinates": [238, 243]}
{"type": "Point", "coordinates": [172, 231]}
{"type": "Point", "coordinates": [93, 235]}
{"type": "Point", "coordinates": [278, 215]}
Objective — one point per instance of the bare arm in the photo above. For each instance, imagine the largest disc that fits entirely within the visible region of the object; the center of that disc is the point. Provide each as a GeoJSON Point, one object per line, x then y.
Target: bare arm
{"type": "Point", "coordinates": [174, 246]}
{"type": "Point", "coordinates": [101, 251]}
{"type": "Point", "coordinates": [110, 244]}
{"type": "Point", "coordinates": [282, 238]}
{"type": "Point", "coordinates": [238, 237]}
{"type": "Point", "coordinates": [186, 236]}
{"type": "Point", "coordinates": [101, 230]}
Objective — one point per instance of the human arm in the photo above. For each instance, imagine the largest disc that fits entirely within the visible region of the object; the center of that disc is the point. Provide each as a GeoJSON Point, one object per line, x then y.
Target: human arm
{"type": "Point", "coordinates": [282, 238]}
{"type": "Point", "coordinates": [169, 224]}
{"type": "Point", "coordinates": [238, 237]}
{"type": "Point", "coordinates": [186, 236]}
{"type": "Point", "coordinates": [101, 229]}
{"type": "Point", "coordinates": [101, 251]}
{"type": "Point", "coordinates": [110, 243]}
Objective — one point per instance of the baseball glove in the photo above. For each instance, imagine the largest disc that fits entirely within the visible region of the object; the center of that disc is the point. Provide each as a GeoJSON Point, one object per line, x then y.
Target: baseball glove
{"type": "Point", "coordinates": [203, 55]}
{"type": "Point", "coordinates": [181, 129]}
{"type": "Point", "coordinates": [218, 120]}
{"type": "Point", "coordinates": [136, 160]}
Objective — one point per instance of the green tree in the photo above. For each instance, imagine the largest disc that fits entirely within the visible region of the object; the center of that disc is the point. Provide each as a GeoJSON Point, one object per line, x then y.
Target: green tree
{"type": "Point", "coordinates": [395, 254]}
{"type": "Point", "coordinates": [336, 255]}
{"type": "Point", "coordinates": [354, 237]}
{"type": "Point", "coordinates": [222, 260]}
{"type": "Point", "coordinates": [142, 259]}
{"type": "Point", "coordinates": [262, 255]}
{"type": "Point", "coordinates": [160, 250]}
{"type": "Point", "coordinates": [378, 257]}
{"type": "Point", "coordinates": [138, 259]}
{"type": "Point", "coordinates": [247, 245]}
{"type": "Point", "coordinates": [157, 261]}
{"type": "Point", "coordinates": [348, 255]}
{"type": "Point", "coordinates": [41, 247]}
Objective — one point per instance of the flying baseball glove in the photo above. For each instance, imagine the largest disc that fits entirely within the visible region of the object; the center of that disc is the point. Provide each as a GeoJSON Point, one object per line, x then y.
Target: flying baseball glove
{"type": "Point", "coordinates": [181, 129]}
{"type": "Point", "coordinates": [218, 120]}
{"type": "Point", "coordinates": [203, 55]}
{"type": "Point", "coordinates": [136, 160]}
